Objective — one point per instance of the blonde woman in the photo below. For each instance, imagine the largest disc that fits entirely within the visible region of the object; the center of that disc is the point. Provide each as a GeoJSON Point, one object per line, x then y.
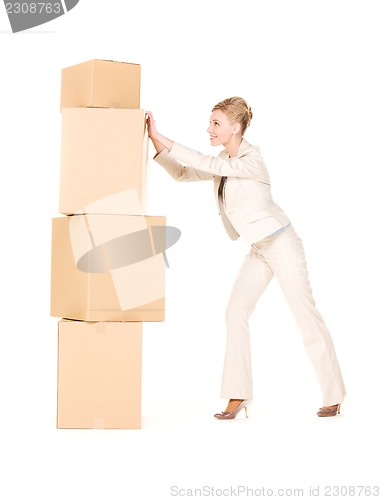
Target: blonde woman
{"type": "Point", "coordinates": [243, 194]}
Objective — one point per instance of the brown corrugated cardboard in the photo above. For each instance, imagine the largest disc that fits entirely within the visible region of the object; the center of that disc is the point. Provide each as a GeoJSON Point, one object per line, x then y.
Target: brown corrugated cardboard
{"type": "Point", "coordinates": [99, 375]}
{"type": "Point", "coordinates": [101, 84]}
{"type": "Point", "coordinates": [103, 152]}
{"type": "Point", "coordinates": [108, 267]}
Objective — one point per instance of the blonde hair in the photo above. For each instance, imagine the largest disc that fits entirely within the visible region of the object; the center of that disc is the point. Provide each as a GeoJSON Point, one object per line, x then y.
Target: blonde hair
{"type": "Point", "coordinates": [237, 110]}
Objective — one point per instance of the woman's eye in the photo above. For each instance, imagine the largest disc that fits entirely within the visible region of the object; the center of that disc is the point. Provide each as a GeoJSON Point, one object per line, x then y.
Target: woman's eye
{"type": "Point", "coordinates": [215, 123]}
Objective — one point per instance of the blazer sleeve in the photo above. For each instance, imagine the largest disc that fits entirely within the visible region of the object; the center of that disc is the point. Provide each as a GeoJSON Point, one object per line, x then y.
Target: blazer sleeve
{"type": "Point", "coordinates": [248, 165]}
{"type": "Point", "coordinates": [178, 171]}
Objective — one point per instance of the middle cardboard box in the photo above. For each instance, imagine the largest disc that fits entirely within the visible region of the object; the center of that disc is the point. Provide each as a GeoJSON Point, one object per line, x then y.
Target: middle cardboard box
{"type": "Point", "coordinates": [108, 267]}
{"type": "Point", "coordinates": [103, 152]}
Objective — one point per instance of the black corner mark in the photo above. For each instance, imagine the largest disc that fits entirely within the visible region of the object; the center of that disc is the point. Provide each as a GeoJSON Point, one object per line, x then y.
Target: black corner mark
{"type": "Point", "coordinates": [26, 14]}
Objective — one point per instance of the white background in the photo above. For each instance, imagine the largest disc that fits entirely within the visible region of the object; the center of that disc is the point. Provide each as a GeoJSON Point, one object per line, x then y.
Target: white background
{"type": "Point", "coordinates": [310, 70]}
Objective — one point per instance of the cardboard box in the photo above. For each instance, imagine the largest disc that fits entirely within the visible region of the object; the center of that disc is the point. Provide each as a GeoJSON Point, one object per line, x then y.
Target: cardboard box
{"type": "Point", "coordinates": [103, 152]}
{"type": "Point", "coordinates": [99, 375]}
{"type": "Point", "coordinates": [101, 84]}
{"type": "Point", "coordinates": [108, 267]}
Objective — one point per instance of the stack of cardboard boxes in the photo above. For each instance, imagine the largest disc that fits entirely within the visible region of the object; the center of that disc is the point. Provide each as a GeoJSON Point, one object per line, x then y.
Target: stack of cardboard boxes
{"type": "Point", "coordinates": [108, 263]}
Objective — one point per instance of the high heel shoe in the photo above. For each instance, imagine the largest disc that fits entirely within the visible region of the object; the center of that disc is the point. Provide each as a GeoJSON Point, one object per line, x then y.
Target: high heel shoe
{"type": "Point", "coordinates": [329, 411]}
{"type": "Point", "coordinates": [227, 415]}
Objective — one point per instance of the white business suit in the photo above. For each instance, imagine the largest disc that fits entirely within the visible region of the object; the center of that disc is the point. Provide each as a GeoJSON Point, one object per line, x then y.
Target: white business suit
{"type": "Point", "coordinates": [247, 209]}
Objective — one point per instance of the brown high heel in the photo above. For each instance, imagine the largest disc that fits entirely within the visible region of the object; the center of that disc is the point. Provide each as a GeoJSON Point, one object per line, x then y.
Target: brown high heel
{"type": "Point", "coordinates": [329, 411]}
{"type": "Point", "coordinates": [228, 415]}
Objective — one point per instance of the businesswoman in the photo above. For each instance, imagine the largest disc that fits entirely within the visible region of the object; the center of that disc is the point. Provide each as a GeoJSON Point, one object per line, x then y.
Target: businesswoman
{"type": "Point", "coordinates": [243, 195]}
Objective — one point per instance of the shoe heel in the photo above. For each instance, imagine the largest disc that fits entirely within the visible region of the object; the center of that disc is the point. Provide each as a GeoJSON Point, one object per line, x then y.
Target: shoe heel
{"type": "Point", "coordinates": [246, 412]}
{"type": "Point", "coordinates": [338, 409]}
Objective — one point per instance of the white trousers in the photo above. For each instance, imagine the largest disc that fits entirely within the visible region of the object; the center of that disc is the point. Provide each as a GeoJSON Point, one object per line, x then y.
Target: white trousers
{"type": "Point", "coordinates": [281, 255]}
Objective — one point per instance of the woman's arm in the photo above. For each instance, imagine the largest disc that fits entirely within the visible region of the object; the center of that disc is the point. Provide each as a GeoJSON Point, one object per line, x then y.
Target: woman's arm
{"type": "Point", "coordinates": [175, 169]}
{"type": "Point", "coordinates": [249, 165]}
{"type": "Point", "coordinates": [178, 171]}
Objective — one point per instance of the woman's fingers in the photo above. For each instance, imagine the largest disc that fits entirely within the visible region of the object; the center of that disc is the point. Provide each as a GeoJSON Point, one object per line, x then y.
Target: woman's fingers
{"type": "Point", "coordinates": [150, 120]}
{"type": "Point", "coordinates": [151, 124]}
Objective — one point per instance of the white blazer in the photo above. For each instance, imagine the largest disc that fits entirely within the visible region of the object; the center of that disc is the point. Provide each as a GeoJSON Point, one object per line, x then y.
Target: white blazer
{"type": "Point", "coordinates": [248, 203]}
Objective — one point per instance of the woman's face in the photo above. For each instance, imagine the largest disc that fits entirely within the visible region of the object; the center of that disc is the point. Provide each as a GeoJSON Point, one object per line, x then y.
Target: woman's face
{"type": "Point", "coordinates": [221, 129]}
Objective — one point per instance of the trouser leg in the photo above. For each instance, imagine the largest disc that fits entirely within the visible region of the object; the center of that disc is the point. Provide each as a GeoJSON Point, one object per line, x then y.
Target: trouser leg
{"type": "Point", "coordinates": [286, 258]}
{"type": "Point", "coordinates": [252, 279]}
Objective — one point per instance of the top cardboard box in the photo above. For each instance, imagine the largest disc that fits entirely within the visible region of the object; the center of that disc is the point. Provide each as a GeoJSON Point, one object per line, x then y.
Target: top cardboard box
{"type": "Point", "coordinates": [101, 84]}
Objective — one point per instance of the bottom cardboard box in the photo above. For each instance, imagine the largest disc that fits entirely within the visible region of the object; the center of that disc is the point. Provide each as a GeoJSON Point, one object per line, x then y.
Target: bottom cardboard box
{"type": "Point", "coordinates": [99, 375]}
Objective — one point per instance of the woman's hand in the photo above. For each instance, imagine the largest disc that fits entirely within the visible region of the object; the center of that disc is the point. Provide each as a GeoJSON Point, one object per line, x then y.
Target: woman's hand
{"type": "Point", "coordinates": [151, 126]}
{"type": "Point", "coordinates": [160, 142]}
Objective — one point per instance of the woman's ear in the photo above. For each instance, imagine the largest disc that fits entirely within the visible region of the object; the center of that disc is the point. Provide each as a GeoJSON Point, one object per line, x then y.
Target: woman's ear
{"type": "Point", "coordinates": [236, 128]}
